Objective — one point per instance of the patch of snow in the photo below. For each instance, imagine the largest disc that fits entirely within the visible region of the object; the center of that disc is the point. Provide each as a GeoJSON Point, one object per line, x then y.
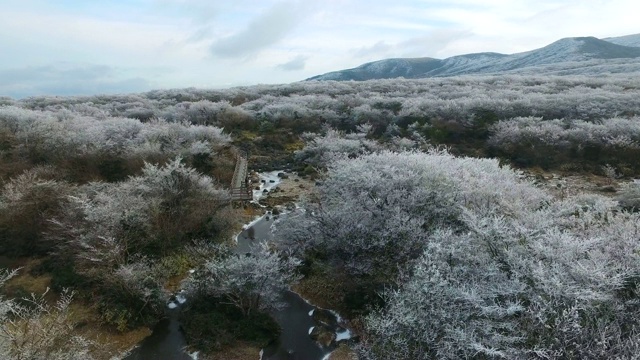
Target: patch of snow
{"type": "Point", "coordinates": [271, 180]}
{"type": "Point", "coordinates": [192, 271]}
{"type": "Point", "coordinates": [194, 355]}
{"type": "Point", "coordinates": [261, 353]}
{"type": "Point", "coordinates": [343, 335]}
{"type": "Point", "coordinates": [311, 312]}
{"type": "Point", "coordinates": [172, 305]}
{"type": "Point", "coordinates": [338, 318]}
{"type": "Point", "coordinates": [181, 299]}
{"type": "Point", "coordinates": [311, 329]}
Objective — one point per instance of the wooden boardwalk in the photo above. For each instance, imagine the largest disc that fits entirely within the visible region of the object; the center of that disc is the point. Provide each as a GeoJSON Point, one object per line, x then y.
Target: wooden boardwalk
{"type": "Point", "coordinates": [240, 190]}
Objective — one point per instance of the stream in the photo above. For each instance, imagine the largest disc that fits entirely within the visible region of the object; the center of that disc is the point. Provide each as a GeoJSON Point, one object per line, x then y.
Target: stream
{"type": "Point", "coordinates": [298, 319]}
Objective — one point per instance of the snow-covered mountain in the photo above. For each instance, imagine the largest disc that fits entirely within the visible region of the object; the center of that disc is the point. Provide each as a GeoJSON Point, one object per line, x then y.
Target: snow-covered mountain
{"type": "Point", "coordinates": [571, 55]}
{"type": "Point", "coordinates": [628, 40]}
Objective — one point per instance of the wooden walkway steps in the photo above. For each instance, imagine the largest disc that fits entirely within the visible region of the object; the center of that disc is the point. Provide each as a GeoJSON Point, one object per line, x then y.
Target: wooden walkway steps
{"type": "Point", "coordinates": [240, 190]}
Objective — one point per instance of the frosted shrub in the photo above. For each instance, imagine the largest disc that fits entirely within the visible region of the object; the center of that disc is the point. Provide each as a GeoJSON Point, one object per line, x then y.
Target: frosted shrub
{"type": "Point", "coordinates": [556, 141]}
{"type": "Point", "coordinates": [250, 282]}
{"type": "Point", "coordinates": [26, 204]}
{"type": "Point", "coordinates": [629, 196]}
{"type": "Point", "coordinates": [153, 212]}
{"type": "Point", "coordinates": [320, 150]}
{"type": "Point", "coordinates": [113, 147]}
{"type": "Point", "coordinates": [557, 282]}
{"type": "Point", "coordinates": [375, 212]}
{"type": "Point", "coordinates": [34, 330]}
{"type": "Point", "coordinates": [478, 264]}
{"type": "Point", "coordinates": [108, 229]}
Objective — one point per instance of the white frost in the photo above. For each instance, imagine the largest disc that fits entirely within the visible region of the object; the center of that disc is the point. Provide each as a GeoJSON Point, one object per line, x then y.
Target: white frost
{"type": "Point", "coordinates": [267, 184]}
{"type": "Point", "coordinates": [181, 299]}
{"type": "Point", "coordinates": [343, 335]}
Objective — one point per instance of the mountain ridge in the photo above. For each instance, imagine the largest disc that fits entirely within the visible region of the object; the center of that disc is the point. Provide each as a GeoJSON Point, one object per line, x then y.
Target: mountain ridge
{"type": "Point", "coordinates": [568, 51]}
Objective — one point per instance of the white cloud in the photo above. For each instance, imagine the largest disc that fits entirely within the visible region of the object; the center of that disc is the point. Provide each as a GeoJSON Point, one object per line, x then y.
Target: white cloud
{"type": "Point", "coordinates": [264, 31]}
{"type": "Point", "coordinates": [294, 64]}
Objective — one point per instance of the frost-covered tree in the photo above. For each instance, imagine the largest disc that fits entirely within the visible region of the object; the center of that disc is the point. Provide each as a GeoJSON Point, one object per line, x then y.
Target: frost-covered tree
{"type": "Point", "coordinates": [113, 233]}
{"type": "Point", "coordinates": [479, 263]}
{"type": "Point", "coordinates": [321, 150]}
{"type": "Point", "coordinates": [629, 196]}
{"type": "Point", "coordinates": [557, 282]}
{"type": "Point", "coordinates": [155, 211]}
{"type": "Point", "coordinates": [250, 282]}
{"type": "Point", "coordinates": [376, 212]}
{"type": "Point", "coordinates": [27, 202]}
{"type": "Point", "coordinates": [32, 329]}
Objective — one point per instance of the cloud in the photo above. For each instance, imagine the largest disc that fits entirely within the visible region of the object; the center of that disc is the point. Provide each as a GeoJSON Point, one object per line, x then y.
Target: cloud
{"type": "Point", "coordinates": [376, 49]}
{"type": "Point", "coordinates": [68, 79]}
{"type": "Point", "coordinates": [428, 45]}
{"type": "Point", "coordinates": [294, 64]}
{"type": "Point", "coordinates": [264, 31]}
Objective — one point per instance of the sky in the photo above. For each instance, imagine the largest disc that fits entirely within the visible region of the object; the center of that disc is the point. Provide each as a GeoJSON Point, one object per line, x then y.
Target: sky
{"type": "Point", "coordinates": [74, 47]}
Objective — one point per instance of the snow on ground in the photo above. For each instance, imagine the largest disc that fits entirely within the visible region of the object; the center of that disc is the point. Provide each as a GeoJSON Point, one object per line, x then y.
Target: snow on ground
{"type": "Point", "coordinates": [271, 180]}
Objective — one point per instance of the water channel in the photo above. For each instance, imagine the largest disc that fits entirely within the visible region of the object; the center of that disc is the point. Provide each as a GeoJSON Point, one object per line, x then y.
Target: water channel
{"type": "Point", "coordinates": [297, 319]}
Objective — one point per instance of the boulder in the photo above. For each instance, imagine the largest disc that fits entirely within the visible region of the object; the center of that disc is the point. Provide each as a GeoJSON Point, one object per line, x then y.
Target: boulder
{"type": "Point", "coordinates": [324, 317]}
{"type": "Point", "coordinates": [322, 335]}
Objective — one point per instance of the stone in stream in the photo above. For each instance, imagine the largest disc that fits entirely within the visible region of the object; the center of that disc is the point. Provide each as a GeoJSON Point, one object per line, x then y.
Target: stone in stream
{"type": "Point", "coordinates": [324, 317]}
{"type": "Point", "coordinates": [322, 335]}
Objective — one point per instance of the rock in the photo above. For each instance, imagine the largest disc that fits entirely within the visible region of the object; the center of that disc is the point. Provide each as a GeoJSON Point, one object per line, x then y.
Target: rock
{"type": "Point", "coordinates": [265, 191]}
{"type": "Point", "coordinates": [322, 335]}
{"type": "Point", "coordinates": [272, 181]}
{"type": "Point", "coordinates": [324, 317]}
{"type": "Point", "coordinates": [257, 188]}
{"type": "Point", "coordinates": [275, 211]}
{"type": "Point", "coordinates": [263, 181]}
{"type": "Point", "coordinates": [296, 179]}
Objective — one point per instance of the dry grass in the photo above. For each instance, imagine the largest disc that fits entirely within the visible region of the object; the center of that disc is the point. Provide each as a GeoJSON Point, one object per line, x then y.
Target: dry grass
{"type": "Point", "coordinates": [241, 351]}
{"type": "Point", "coordinates": [84, 317]}
{"type": "Point", "coordinates": [343, 352]}
{"type": "Point", "coordinates": [111, 342]}
{"type": "Point", "coordinates": [321, 291]}
{"type": "Point", "coordinates": [564, 184]}
{"type": "Point", "coordinates": [25, 283]}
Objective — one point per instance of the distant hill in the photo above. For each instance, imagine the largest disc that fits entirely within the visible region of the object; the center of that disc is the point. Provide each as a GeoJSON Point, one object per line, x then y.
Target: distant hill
{"type": "Point", "coordinates": [628, 40]}
{"type": "Point", "coordinates": [565, 56]}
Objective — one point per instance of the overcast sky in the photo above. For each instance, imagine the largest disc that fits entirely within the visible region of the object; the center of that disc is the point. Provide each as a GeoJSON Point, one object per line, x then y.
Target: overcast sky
{"type": "Point", "coordinates": [63, 47]}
